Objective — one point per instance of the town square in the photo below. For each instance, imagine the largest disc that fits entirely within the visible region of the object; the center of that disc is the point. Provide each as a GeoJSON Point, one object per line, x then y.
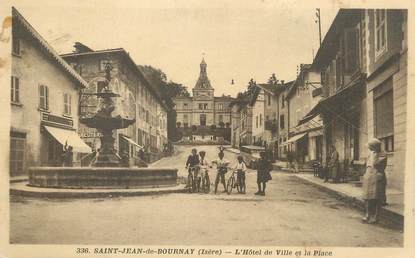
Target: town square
{"type": "Point", "coordinates": [208, 127]}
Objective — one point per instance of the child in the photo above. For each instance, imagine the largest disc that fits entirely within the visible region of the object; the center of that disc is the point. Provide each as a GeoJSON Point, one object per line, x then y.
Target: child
{"type": "Point", "coordinates": [263, 173]}
{"type": "Point", "coordinates": [221, 165]}
{"type": "Point", "coordinates": [240, 167]}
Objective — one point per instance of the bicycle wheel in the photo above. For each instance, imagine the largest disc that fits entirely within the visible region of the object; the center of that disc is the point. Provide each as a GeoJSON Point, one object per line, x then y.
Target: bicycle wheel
{"type": "Point", "coordinates": [191, 183]}
{"type": "Point", "coordinates": [207, 184]}
{"type": "Point", "coordinates": [230, 184]}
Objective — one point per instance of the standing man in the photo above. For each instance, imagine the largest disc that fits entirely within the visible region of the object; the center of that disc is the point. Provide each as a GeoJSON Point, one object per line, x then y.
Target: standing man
{"type": "Point", "coordinates": [192, 161]}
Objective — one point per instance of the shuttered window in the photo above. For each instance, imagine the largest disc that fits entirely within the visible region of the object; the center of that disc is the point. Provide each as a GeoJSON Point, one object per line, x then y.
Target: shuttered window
{"type": "Point", "coordinates": [383, 109]}
{"type": "Point", "coordinates": [43, 97]}
{"type": "Point", "coordinates": [380, 31]}
{"type": "Point", "coordinates": [67, 104]}
{"type": "Point", "coordinates": [15, 89]}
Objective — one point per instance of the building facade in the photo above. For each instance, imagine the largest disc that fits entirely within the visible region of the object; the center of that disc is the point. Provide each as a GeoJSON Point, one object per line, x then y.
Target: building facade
{"type": "Point", "coordinates": [283, 121]}
{"type": "Point", "coordinates": [203, 111]}
{"type": "Point", "coordinates": [138, 99]}
{"type": "Point", "coordinates": [365, 82]}
{"type": "Point", "coordinates": [44, 102]}
{"type": "Point", "coordinates": [203, 108]}
{"type": "Point", "coordinates": [305, 140]}
{"type": "Point", "coordinates": [255, 116]}
{"type": "Point", "coordinates": [386, 36]}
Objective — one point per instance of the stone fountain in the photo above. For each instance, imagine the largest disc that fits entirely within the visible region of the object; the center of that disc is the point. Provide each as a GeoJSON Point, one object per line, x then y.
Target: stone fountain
{"type": "Point", "coordinates": [106, 171]}
{"type": "Point", "coordinates": [105, 123]}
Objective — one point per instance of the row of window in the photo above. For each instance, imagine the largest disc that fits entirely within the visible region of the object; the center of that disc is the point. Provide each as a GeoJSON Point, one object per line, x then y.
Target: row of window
{"type": "Point", "coordinates": [203, 106]}
{"type": "Point", "coordinates": [43, 96]}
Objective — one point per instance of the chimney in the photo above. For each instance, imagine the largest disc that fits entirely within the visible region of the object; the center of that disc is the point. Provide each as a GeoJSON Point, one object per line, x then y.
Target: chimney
{"type": "Point", "coordinates": [81, 48]}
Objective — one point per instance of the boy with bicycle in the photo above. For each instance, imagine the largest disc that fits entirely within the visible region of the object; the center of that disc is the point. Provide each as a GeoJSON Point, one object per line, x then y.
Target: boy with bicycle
{"type": "Point", "coordinates": [204, 176]}
{"type": "Point", "coordinates": [240, 169]}
{"type": "Point", "coordinates": [222, 166]}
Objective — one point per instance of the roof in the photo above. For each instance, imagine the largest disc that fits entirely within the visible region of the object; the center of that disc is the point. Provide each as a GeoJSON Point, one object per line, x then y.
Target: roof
{"type": "Point", "coordinates": [328, 48]}
{"type": "Point", "coordinates": [18, 19]}
{"type": "Point", "coordinates": [123, 53]}
{"type": "Point", "coordinates": [203, 81]}
{"type": "Point", "coordinates": [225, 98]}
{"type": "Point", "coordinates": [299, 80]}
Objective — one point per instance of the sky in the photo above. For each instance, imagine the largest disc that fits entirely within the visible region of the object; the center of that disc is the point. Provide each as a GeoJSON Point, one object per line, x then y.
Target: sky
{"type": "Point", "coordinates": [239, 40]}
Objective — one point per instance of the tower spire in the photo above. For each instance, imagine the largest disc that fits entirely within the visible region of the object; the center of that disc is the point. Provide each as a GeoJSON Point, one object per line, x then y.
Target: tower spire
{"type": "Point", "coordinates": [203, 81]}
{"type": "Point", "coordinates": [203, 66]}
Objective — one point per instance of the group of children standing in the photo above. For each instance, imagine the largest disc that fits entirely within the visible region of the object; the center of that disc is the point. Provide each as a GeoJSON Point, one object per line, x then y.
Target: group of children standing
{"type": "Point", "coordinates": [264, 168]}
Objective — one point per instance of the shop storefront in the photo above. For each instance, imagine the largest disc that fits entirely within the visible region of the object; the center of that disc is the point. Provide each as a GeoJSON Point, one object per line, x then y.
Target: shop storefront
{"type": "Point", "coordinates": [57, 133]}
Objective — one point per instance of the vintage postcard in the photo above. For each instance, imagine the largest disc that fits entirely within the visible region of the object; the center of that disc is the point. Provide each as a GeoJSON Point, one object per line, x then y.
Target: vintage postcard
{"type": "Point", "coordinates": [206, 129]}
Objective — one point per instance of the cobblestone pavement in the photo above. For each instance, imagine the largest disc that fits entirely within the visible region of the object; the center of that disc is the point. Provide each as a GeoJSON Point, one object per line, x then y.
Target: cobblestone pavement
{"type": "Point", "coordinates": [291, 214]}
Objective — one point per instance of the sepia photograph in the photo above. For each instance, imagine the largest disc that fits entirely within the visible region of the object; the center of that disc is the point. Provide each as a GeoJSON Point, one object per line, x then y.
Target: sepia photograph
{"type": "Point", "coordinates": [202, 131]}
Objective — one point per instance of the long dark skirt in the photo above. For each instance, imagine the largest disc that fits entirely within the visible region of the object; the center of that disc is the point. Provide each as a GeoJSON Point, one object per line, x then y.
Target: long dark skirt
{"type": "Point", "coordinates": [263, 176]}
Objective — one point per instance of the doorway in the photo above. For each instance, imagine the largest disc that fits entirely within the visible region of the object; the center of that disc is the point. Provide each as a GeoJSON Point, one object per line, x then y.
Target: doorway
{"type": "Point", "coordinates": [203, 119]}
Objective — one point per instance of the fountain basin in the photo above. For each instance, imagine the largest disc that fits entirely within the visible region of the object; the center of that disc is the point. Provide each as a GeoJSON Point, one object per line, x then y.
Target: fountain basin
{"type": "Point", "coordinates": [101, 178]}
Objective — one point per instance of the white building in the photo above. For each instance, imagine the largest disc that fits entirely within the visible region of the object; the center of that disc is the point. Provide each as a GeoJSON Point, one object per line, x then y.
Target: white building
{"type": "Point", "coordinates": [44, 102]}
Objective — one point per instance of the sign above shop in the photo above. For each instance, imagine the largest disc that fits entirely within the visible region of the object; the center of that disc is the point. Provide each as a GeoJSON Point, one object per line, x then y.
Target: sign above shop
{"type": "Point", "coordinates": [57, 120]}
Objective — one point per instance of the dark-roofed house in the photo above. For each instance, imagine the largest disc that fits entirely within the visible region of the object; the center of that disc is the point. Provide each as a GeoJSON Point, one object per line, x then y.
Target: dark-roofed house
{"type": "Point", "coordinates": [138, 100]}
{"type": "Point", "coordinates": [44, 102]}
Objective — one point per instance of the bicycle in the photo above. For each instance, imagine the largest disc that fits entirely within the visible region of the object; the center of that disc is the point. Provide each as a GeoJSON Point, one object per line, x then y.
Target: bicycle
{"type": "Point", "coordinates": [192, 180]}
{"type": "Point", "coordinates": [232, 183]}
{"type": "Point", "coordinates": [206, 182]}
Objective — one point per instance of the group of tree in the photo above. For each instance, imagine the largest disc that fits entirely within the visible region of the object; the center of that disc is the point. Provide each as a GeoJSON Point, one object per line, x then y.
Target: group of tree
{"type": "Point", "coordinates": [252, 87]}
{"type": "Point", "coordinates": [167, 88]}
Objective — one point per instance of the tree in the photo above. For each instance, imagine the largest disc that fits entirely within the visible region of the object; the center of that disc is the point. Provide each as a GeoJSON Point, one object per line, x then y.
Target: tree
{"type": "Point", "coordinates": [273, 79]}
{"type": "Point", "coordinates": [221, 124]}
{"type": "Point", "coordinates": [168, 89]}
{"type": "Point", "coordinates": [212, 127]}
{"type": "Point", "coordinates": [194, 128]}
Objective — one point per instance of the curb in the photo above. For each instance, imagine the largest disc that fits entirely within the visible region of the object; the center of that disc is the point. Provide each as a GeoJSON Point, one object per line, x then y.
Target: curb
{"type": "Point", "coordinates": [26, 191]}
{"type": "Point", "coordinates": [387, 217]}
{"type": "Point", "coordinates": [19, 180]}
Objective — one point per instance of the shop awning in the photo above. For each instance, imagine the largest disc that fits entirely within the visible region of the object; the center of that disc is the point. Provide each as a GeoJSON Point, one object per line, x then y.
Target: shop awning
{"type": "Point", "coordinates": [334, 103]}
{"type": "Point", "coordinates": [131, 141]}
{"type": "Point", "coordinates": [64, 136]}
{"type": "Point", "coordinates": [295, 138]}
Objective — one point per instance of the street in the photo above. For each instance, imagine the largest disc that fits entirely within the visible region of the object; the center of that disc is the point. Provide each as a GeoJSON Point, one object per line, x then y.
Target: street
{"type": "Point", "coordinates": [291, 214]}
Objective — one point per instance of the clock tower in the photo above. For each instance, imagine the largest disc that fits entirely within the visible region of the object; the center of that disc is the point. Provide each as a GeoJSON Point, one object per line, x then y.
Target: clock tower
{"type": "Point", "coordinates": [203, 98]}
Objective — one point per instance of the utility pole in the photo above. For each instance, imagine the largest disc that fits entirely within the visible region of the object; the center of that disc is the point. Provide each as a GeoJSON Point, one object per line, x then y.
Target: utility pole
{"type": "Point", "coordinates": [319, 23]}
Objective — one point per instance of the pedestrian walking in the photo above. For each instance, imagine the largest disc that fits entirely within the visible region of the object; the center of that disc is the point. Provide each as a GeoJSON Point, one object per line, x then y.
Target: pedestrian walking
{"type": "Point", "coordinates": [240, 168]}
{"type": "Point", "coordinates": [264, 168]}
{"type": "Point", "coordinates": [374, 182]}
{"type": "Point", "coordinates": [333, 165]}
{"type": "Point", "coordinates": [222, 167]}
